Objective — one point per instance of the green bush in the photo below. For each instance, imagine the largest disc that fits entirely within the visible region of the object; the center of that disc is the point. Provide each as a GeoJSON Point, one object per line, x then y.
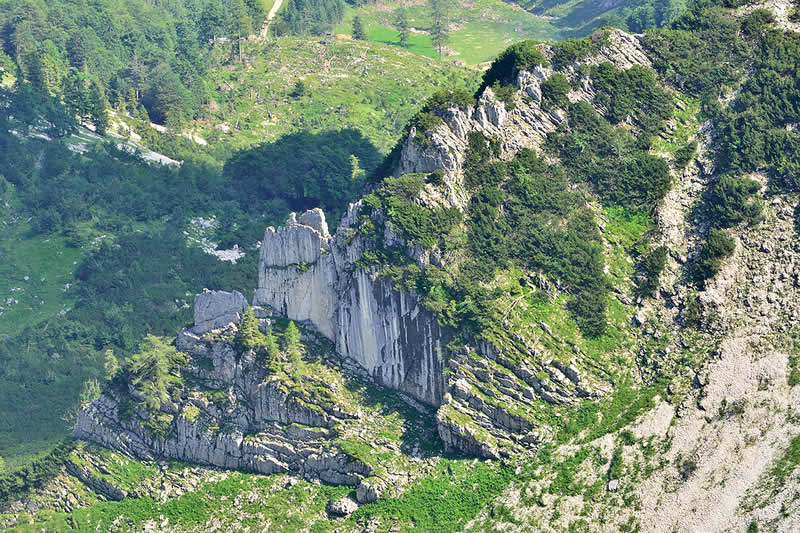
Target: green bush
{"type": "Point", "coordinates": [651, 267]}
{"type": "Point", "coordinates": [555, 90]}
{"type": "Point", "coordinates": [523, 55]}
{"type": "Point", "coordinates": [34, 475]}
{"type": "Point", "coordinates": [717, 248]}
{"type": "Point", "coordinates": [447, 99]}
{"type": "Point", "coordinates": [732, 201]}
{"type": "Point", "coordinates": [572, 50]}
{"type": "Point", "coordinates": [684, 155]}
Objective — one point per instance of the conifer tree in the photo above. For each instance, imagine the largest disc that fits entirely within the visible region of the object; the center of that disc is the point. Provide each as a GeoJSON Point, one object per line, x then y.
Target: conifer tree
{"type": "Point", "coordinates": [111, 365]}
{"type": "Point", "coordinates": [153, 370]}
{"type": "Point", "coordinates": [294, 349]}
{"type": "Point", "coordinates": [402, 26]}
{"type": "Point", "coordinates": [249, 337]}
{"type": "Point", "coordinates": [358, 30]}
{"type": "Point", "coordinates": [96, 105]}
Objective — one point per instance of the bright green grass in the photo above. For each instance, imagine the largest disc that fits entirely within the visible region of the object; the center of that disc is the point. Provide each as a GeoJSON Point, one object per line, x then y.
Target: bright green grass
{"type": "Point", "coordinates": [419, 43]}
{"type": "Point", "coordinates": [233, 501]}
{"type": "Point", "coordinates": [372, 87]}
{"type": "Point", "coordinates": [485, 28]}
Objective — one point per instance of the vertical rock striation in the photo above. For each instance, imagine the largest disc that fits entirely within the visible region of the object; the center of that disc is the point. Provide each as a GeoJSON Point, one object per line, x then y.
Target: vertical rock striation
{"type": "Point", "coordinates": [306, 274]}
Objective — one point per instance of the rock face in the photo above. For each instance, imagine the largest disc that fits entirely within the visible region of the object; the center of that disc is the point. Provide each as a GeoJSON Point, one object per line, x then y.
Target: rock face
{"type": "Point", "coordinates": [217, 309]}
{"type": "Point", "coordinates": [241, 418]}
{"type": "Point", "coordinates": [307, 275]}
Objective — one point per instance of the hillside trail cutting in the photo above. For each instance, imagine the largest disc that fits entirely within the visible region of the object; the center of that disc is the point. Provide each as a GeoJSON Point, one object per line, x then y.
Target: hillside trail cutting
{"type": "Point", "coordinates": [271, 15]}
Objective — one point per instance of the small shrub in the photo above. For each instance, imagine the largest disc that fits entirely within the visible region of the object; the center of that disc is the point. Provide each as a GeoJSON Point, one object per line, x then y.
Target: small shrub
{"type": "Point", "coordinates": [555, 90]}
{"type": "Point", "coordinates": [685, 154]}
{"type": "Point", "coordinates": [686, 467]}
{"type": "Point", "coordinates": [436, 177]}
{"type": "Point", "coordinates": [448, 99]}
{"type": "Point", "coordinates": [717, 248]}
{"type": "Point", "coordinates": [520, 56]}
{"type": "Point", "coordinates": [651, 267]}
{"type": "Point", "coordinates": [732, 202]}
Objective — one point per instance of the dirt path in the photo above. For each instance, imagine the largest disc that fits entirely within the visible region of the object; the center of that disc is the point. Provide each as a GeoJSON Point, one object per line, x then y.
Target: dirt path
{"type": "Point", "coordinates": [271, 15]}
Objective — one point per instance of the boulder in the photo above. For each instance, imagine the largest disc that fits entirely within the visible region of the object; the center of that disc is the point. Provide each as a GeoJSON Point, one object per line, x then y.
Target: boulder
{"type": "Point", "coordinates": [217, 309]}
{"type": "Point", "coordinates": [343, 507]}
{"type": "Point", "coordinates": [369, 490]}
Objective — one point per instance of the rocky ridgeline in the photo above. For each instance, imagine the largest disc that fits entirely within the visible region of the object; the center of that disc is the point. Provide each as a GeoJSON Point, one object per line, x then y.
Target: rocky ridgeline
{"type": "Point", "coordinates": [306, 274]}
{"type": "Point", "coordinates": [525, 126]}
{"type": "Point", "coordinates": [485, 394]}
{"type": "Point", "coordinates": [234, 416]}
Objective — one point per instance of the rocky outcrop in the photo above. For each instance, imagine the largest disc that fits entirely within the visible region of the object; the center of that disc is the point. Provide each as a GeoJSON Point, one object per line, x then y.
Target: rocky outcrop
{"type": "Point", "coordinates": [307, 275]}
{"type": "Point", "coordinates": [237, 416]}
{"type": "Point", "coordinates": [217, 309]}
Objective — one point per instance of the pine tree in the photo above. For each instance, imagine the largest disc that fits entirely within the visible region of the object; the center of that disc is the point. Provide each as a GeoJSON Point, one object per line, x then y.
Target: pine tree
{"type": "Point", "coordinates": [111, 365]}
{"type": "Point", "coordinates": [96, 105]}
{"type": "Point", "coordinates": [241, 23]}
{"type": "Point", "coordinates": [358, 30]}
{"type": "Point", "coordinates": [402, 26]}
{"type": "Point", "coordinates": [294, 350]}
{"type": "Point", "coordinates": [212, 21]}
{"type": "Point", "coordinates": [440, 20]}
{"type": "Point", "coordinates": [153, 370]}
{"type": "Point", "coordinates": [249, 337]}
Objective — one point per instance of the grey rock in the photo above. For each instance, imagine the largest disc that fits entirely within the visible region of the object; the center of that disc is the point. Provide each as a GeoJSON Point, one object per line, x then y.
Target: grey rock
{"type": "Point", "coordinates": [217, 309]}
{"type": "Point", "coordinates": [343, 507]}
{"type": "Point", "coordinates": [369, 490]}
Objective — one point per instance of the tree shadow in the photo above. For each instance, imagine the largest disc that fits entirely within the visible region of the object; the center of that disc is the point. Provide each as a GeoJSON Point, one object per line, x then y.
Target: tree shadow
{"type": "Point", "coordinates": [324, 169]}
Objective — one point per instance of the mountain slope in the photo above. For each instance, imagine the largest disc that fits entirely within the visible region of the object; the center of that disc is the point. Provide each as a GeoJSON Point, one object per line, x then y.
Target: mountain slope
{"type": "Point", "coordinates": [586, 269]}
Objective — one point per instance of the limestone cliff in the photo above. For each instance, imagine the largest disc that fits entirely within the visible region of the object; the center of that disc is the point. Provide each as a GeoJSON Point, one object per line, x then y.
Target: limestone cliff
{"type": "Point", "coordinates": [306, 274]}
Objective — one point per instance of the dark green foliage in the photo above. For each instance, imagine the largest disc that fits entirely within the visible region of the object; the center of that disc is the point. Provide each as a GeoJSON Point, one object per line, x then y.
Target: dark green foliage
{"type": "Point", "coordinates": [651, 267]}
{"type": "Point", "coordinates": [423, 225]}
{"type": "Point", "coordinates": [572, 50]}
{"type": "Point", "coordinates": [617, 465]}
{"type": "Point", "coordinates": [757, 129]}
{"type": "Point", "coordinates": [436, 177]}
{"type": "Point", "coordinates": [358, 29]}
{"type": "Point", "coordinates": [154, 370]}
{"type": "Point", "coordinates": [732, 201]}
{"type": "Point", "coordinates": [565, 482]}
{"type": "Point", "coordinates": [248, 336]}
{"type": "Point", "coordinates": [717, 248]}
{"type": "Point", "coordinates": [555, 90]}
{"type": "Point", "coordinates": [17, 483]}
{"type": "Point", "coordinates": [756, 22]}
{"type": "Point", "coordinates": [523, 55]}
{"type": "Point", "coordinates": [545, 227]}
{"type": "Point", "coordinates": [324, 176]}
{"type": "Point", "coordinates": [622, 172]}
{"type": "Point", "coordinates": [700, 53]}
{"type": "Point", "coordinates": [129, 47]}
{"type": "Point", "coordinates": [632, 93]}
{"type": "Point", "coordinates": [446, 99]}
{"type": "Point", "coordinates": [685, 154]}
{"type": "Point", "coordinates": [505, 93]}
{"type": "Point", "coordinates": [309, 17]}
